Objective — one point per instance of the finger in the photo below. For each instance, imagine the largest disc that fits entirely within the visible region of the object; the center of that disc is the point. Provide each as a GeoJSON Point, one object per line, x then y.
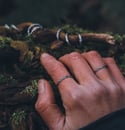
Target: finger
{"type": "Point", "coordinates": [46, 105]}
{"type": "Point", "coordinates": [57, 71]}
{"type": "Point", "coordinates": [95, 61]}
{"type": "Point", "coordinates": [115, 71]}
{"type": "Point", "coordinates": [79, 67]}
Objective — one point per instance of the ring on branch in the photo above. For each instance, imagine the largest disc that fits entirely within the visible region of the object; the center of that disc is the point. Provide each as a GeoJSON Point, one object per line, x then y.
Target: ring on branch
{"type": "Point", "coordinates": [67, 39]}
{"type": "Point", "coordinates": [58, 33]}
{"type": "Point", "coordinates": [80, 39]}
{"type": "Point", "coordinates": [32, 28]}
{"type": "Point", "coordinates": [14, 27]}
{"type": "Point", "coordinates": [7, 26]}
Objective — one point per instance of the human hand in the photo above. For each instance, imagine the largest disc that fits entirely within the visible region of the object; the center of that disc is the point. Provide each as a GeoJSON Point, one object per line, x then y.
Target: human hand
{"type": "Point", "coordinates": [88, 97]}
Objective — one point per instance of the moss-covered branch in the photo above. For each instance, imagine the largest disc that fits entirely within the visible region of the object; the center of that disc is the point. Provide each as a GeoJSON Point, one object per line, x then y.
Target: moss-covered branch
{"type": "Point", "coordinates": [20, 68]}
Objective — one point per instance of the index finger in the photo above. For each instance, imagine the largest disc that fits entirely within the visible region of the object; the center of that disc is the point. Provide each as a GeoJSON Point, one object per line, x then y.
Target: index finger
{"type": "Point", "coordinates": [57, 71]}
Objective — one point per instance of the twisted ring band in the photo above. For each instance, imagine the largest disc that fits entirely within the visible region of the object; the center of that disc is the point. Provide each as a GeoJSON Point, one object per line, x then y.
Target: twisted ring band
{"type": "Point", "coordinates": [63, 78]}
{"type": "Point", "coordinates": [100, 68]}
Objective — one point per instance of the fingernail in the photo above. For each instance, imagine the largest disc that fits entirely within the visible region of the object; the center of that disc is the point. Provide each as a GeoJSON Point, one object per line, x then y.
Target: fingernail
{"type": "Point", "coordinates": [44, 55]}
{"type": "Point", "coordinates": [41, 86]}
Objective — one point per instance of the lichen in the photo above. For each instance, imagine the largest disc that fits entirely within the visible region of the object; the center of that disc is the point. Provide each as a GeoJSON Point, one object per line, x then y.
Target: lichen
{"type": "Point", "coordinates": [31, 89]}
{"type": "Point", "coordinates": [18, 117]}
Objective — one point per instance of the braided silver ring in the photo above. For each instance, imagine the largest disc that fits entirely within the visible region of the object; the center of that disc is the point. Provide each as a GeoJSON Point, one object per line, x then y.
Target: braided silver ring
{"type": "Point", "coordinates": [63, 78]}
{"type": "Point", "coordinates": [100, 68]}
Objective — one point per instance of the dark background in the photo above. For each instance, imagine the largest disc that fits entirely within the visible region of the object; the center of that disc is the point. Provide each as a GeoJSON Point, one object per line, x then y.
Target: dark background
{"type": "Point", "coordinates": [97, 15]}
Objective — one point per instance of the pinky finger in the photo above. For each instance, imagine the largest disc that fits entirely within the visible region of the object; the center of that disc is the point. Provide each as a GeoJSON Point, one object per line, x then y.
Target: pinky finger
{"type": "Point", "coordinates": [115, 71]}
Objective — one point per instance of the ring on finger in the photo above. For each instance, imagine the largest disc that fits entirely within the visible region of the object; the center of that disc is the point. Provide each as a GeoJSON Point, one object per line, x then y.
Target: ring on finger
{"type": "Point", "coordinates": [100, 68]}
{"type": "Point", "coordinates": [63, 78]}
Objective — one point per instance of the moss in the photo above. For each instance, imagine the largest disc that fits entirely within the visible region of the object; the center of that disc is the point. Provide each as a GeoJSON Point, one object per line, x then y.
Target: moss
{"type": "Point", "coordinates": [7, 79]}
{"type": "Point", "coordinates": [123, 36]}
{"type": "Point", "coordinates": [20, 46]}
{"type": "Point", "coordinates": [29, 57]}
{"type": "Point", "coordinates": [110, 33]}
{"type": "Point", "coordinates": [2, 79]}
{"type": "Point", "coordinates": [4, 41]}
{"type": "Point", "coordinates": [18, 117]}
{"type": "Point", "coordinates": [31, 89]}
{"type": "Point", "coordinates": [118, 38]}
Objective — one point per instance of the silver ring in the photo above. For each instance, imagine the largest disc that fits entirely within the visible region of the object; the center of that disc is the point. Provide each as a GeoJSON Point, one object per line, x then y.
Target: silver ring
{"type": "Point", "coordinates": [14, 27]}
{"type": "Point", "coordinates": [33, 28]}
{"type": "Point", "coordinates": [63, 78]}
{"type": "Point", "coordinates": [100, 68]}
{"type": "Point", "coordinates": [80, 39]}
{"type": "Point", "coordinates": [67, 39]}
{"type": "Point", "coordinates": [58, 33]}
{"type": "Point", "coordinates": [7, 26]}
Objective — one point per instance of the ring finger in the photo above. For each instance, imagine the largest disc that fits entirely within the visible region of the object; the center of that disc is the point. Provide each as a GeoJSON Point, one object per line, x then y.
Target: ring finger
{"type": "Point", "coordinates": [97, 64]}
{"type": "Point", "coordinates": [58, 72]}
{"type": "Point", "coordinates": [79, 68]}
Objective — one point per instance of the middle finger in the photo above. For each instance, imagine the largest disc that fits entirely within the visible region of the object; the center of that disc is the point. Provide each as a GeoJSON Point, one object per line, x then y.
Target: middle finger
{"type": "Point", "coordinates": [98, 65]}
{"type": "Point", "coordinates": [79, 67]}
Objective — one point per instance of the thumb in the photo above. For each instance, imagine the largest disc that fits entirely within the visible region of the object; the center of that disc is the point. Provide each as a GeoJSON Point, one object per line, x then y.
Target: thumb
{"type": "Point", "coordinates": [47, 107]}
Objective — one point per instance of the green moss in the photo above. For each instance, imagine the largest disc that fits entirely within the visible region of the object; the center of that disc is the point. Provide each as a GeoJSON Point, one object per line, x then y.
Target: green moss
{"type": "Point", "coordinates": [2, 79]}
{"type": "Point", "coordinates": [110, 33]}
{"type": "Point", "coordinates": [18, 117]}
{"type": "Point", "coordinates": [123, 36]}
{"type": "Point", "coordinates": [7, 79]}
{"type": "Point", "coordinates": [4, 41]}
{"type": "Point", "coordinates": [31, 89]}
{"type": "Point", "coordinates": [118, 38]}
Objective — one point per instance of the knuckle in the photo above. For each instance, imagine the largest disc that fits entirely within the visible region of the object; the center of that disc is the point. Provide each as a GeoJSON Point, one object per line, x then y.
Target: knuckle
{"type": "Point", "coordinates": [47, 60]}
{"type": "Point", "coordinates": [52, 64]}
{"type": "Point", "coordinates": [75, 56]}
{"type": "Point", "coordinates": [93, 53]}
{"type": "Point", "coordinates": [99, 92]}
{"type": "Point", "coordinates": [37, 106]}
{"type": "Point", "coordinates": [117, 91]}
{"type": "Point", "coordinates": [74, 98]}
{"type": "Point", "coordinates": [56, 67]}
{"type": "Point", "coordinates": [110, 60]}
{"type": "Point", "coordinates": [40, 105]}
{"type": "Point", "coordinates": [64, 57]}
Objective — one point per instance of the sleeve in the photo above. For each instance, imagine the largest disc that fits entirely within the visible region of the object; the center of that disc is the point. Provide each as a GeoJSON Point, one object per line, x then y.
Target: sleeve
{"type": "Point", "coordinates": [113, 121]}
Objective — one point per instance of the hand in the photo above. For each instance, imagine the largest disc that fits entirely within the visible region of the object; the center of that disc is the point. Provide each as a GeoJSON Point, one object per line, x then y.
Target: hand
{"type": "Point", "coordinates": [88, 97]}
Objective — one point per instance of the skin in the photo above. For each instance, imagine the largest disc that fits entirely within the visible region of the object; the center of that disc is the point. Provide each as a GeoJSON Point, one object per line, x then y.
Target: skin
{"type": "Point", "coordinates": [86, 98]}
